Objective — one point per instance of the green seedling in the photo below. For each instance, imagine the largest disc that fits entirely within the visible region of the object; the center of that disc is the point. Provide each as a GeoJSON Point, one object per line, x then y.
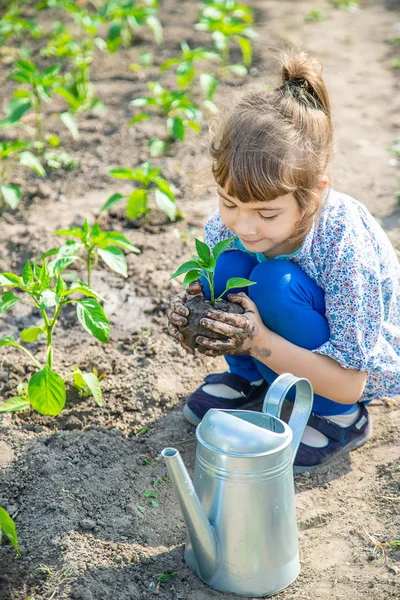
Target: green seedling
{"type": "Point", "coordinates": [60, 160]}
{"type": "Point", "coordinates": [203, 265]}
{"type": "Point", "coordinates": [45, 289]}
{"type": "Point", "coordinates": [142, 431]}
{"type": "Point", "coordinates": [164, 577]}
{"type": "Point", "coordinates": [177, 109]}
{"type": "Point", "coordinates": [7, 527]}
{"type": "Point", "coordinates": [150, 495]}
{"type": "Point", "coordinates": [148, 180]}
{"type": "Point", "coordinates": [40, 87]}
{"type": "Point", "coordinates": [314, 15]}
{"type": "Point", "coordinates": [186, 71]}
{"type": "Point", "coordinates": [96, 243]}
{"type": "Point", "coordinates": [229, 23]}
{"type": "Point", "coordinates": [126, 17]}
{"type": "Point", "coordinates": [349, 4]}
{"type": "Point", "coordinates": [14, 25]}
{"type": "Point", "coordinates": [13, 154]}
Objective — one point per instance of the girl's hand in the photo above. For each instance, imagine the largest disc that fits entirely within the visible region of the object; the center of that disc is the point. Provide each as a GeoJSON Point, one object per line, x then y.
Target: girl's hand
{"type": "Point", "coordinates": [242, 330]}
{"type": "Point", "coordinates": [178, 313]}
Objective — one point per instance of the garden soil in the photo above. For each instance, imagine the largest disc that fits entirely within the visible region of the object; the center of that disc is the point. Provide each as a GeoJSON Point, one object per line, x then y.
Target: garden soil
{"type": "Point", "coordinates": [75, 484]}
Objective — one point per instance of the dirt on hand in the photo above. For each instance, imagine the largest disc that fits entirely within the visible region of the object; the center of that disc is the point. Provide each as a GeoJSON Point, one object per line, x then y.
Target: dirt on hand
{"type": "Point", "coordinates": [198, 308]}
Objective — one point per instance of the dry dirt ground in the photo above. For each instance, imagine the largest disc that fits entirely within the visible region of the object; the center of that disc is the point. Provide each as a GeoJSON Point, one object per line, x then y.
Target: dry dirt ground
{"type": "Point", "coordinates": [73, 482]}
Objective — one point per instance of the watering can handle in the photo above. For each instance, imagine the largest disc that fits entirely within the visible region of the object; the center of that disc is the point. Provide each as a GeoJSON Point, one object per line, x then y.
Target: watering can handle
{"type": "Point", "coordinates": [275, 396]}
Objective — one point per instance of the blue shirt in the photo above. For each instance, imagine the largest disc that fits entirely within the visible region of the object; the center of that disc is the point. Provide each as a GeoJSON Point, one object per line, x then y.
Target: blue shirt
{"type": "Point", "coordinates": [350, 257]}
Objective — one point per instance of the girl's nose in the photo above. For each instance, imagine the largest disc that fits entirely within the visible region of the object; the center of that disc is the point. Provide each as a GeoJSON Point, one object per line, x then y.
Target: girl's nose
{"type": "Point", "coordinates": [245, 227]}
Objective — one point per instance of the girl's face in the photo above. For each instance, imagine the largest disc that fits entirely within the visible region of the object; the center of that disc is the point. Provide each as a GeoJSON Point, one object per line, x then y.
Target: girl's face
{"type": "Point", "coordinates": [260, 226]}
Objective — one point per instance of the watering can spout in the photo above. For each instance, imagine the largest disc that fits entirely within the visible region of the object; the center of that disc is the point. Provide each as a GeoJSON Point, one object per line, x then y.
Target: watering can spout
{"type": "Point", "coordinates": [201, 533]}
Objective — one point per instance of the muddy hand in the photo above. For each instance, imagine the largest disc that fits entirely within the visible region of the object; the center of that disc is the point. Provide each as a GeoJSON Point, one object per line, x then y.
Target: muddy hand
{"type": "Point", "coordinates": [177, 313]}
{"type": "Point", "coordinates": [240, 329]}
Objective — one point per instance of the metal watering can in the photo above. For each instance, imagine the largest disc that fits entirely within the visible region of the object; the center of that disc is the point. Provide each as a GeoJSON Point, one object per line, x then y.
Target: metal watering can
{"type": "Point", "coordinates": [240, 512]}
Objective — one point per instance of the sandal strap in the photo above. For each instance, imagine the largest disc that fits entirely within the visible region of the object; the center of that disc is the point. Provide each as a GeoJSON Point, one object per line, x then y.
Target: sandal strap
{"type": "Point", "coordinates": [237, 383]}
{"type": "Point", "coordinates": [328, 428]}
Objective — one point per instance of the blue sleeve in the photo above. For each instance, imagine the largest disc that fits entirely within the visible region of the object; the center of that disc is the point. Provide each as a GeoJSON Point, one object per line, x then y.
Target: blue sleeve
{"type": "Point", "coordinates": [353, 298]}
{"type": "Point", "coordinates": [215, 231]}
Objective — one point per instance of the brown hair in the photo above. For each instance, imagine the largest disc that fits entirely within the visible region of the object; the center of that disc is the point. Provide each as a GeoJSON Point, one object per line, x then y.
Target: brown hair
{"type": "Point", "coordinates": [278, 142]}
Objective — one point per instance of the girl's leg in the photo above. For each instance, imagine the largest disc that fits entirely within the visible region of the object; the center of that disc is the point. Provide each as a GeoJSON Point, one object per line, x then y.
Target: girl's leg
{"type": "Point", "coordinates": [292, 305]}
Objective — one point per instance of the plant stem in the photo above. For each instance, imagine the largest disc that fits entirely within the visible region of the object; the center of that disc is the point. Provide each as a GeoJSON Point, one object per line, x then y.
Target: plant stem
{"type": "Point", "coordinates": [89, 266]}
{"type": "Point", "coordinates": [39, 366]}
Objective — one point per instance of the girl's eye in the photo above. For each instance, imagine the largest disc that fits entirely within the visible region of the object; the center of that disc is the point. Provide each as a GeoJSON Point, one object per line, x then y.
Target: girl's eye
{"type": "Point", "coordinates": [229, 206]}
{"type": "Point", "coordinates": [267, 218]}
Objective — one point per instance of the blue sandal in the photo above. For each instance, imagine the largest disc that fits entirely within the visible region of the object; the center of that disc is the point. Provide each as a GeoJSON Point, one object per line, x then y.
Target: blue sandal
{"type": "Point", "coordinates": [341, 440]}
{"type": "Point", "coordinates": [200, 402]}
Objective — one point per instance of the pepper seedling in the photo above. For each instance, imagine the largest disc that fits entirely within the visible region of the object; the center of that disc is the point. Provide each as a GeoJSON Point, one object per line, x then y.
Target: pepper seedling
{"type": "Point", "coordinates": [97, 243]}
{"type": "Point", "coordinates": [44, 288]}
{"type": "Point", "coordinates": [13, 154]}
{"type": "Point", "coordinates": [203, 265]}
{"type": "Point", "coordinates": [149, 180]}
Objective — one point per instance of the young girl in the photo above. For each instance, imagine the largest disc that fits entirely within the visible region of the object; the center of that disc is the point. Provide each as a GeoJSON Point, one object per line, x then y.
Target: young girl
{"type": "Point", "coordinates": [326, 303]}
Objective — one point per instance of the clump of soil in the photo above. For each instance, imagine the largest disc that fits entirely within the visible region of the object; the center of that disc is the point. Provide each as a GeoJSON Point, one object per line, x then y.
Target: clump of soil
{"type": "Point", "coordinates": [198, 308]}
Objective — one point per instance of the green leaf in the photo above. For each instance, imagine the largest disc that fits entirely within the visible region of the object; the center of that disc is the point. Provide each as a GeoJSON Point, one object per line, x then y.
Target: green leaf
{"type": "Point", "coordinates": [57, 266]}
{"type": "Point", "coordinates": [48, 299]}
{"type": "Point", "coordinates": [27, 273]}
{"type": "Point", "coordinates": [7, 341]}
{"type": "Point", "coordinates": [7, 525]}
{"type": "Point", "coordinates": [120, 240]}
{"type": "Point", "coordinates": [138, 118]}
{"type": "Point", "coordinates": [27, 159]}
{"type": "Point", "coordinates": [32, 333]}
{"type": "Point", "coordinates": [69, 121]}
{"type": "Point", "coordinates": [156, 29]}
{"type": "Point", "coordinates": [46, 392]}
{"type": "Point", "coordinates": [209, 84]}
{"type": "Point", "coordinates": [165, 204]}
{"type": "Point", "coordinates": [221, 246]}
{"type": "Point", "coordinates": [203, 251]}
{"type": "Point", "coordinates": [82, 288]}
{"type": "Point", "coordinates": [191, 276]}
{"type": "Point", "coordinates": [237, 282]}
{"type": "Point", "coordinates": [8, 300]}
{"type": "Point", "coordinates": [122, 173]}
{"type": "Point", "coordinates": [246, 48]}
{"type": "Point", "coordinates": [157, 147]}
{"type": "Point", "coordinates": [11, 195]}
{"type": "Point", "coordinates": [187, 266]}
{"type": "Point", "coordinates": [141, 508]}
{"type": "Point", "coordinates": [176, 128]}
{"type": "Point", "coordinates": [93, 319]}
{"type": "Point", "coordinates": [115, 259]}
{"type": "Point", "coordinates": [137, 204]}
{"type": "Point", "coordinates": [9, 279]}
{"type": "Point", "coordinates": [14, 404]}
{"type": "Point", "coordinates": [72, 231]}
{"type": "Point", "coordinates": [238, 70]}
{"type": "Point", "coordinates": [93, 383]}
{"type": "Point", "coordinates": [111, 201]}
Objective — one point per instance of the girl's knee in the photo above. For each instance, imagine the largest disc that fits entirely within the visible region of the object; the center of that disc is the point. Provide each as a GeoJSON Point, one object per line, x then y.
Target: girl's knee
{"type": "Point", "coordinates": [273, 279]}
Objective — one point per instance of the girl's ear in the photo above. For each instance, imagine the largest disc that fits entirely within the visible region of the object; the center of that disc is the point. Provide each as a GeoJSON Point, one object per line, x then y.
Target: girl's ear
{"type": "Point", "coordinates": [323, 183]}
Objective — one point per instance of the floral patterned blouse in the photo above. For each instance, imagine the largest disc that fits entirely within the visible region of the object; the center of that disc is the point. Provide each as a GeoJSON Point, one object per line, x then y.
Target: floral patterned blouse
{"type": "Point", "coordinates": [350, 257]}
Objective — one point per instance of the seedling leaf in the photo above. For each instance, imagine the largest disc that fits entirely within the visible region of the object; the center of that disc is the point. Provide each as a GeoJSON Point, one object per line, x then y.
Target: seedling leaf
{"type": "Point", "coordinates": [137, 204]}
{"type": "Point", "coordinates": [8, 300]}
{"type": "Point", "coordinates": [203, 250]}
{"type": "Point", "coordinates": [191, 276]}
{"type": "Point", "coordinates": [90, 380]}
{"type": "Point", "coordinates": [7, 525]}
{"type": "Point", "coordinates": [176, 128]}
{"type": "Point", "coordinates": [27, 159]}
{"type": "Point", "coordinates": [46, 392]}
{"type": "Point", "coordinates": [187, 266]}
{"type": "Point", "coordinates": [70, 123]}
{"type": "Point", "coordinates": [93, 319]}
{"type": "Point", "coordinates": [11, 195]}
{"type": "Point", "coordinates": [236, 282]}
{"type": "Point", "coordinates": [48, 299]}
{"type": "Point", "coordinates": [7, 341]}
{"type": "Point", "coordinates": [115, 259]}
{"type": "Point", "coordinates": [14, 404]}
{"type": "Point", "coordinates": [221, 246]}
{"type": "Point", "coordinates": [31, 334]}
{"type": "Point", "coordinates": [111, 201]}
{"type": "Point", "coordinates": [141, 508]}
{"type": "Point", "coordinates": [166, 205]}
{"type": "Point", "coordinates": [120, 240]}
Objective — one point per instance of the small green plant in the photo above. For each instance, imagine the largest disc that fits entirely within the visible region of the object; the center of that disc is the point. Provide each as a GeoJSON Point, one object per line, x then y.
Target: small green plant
{"type": "Point", "coordinates": [203, 265]}
{"type": "Point", "coordinates": [186, 70]}
{"type": "Point", "coordinates": [13, 154]}
{"type": "Point", "coordinates": [314, 15]}
{"type": "Point", "coordinates": [14, 25]}
{"type": "Point", "coordinates": [177, 109]}
{"type": "Point", "coordinates": [8, 527]}
{"type": "Point", "coordinates": [229, 23]}
{"type": "Point", "coordinates": [345, 3]}
{"type": "Point", "coordinates": [164, 577]}
{"type": "Point", "coordinates": [126, 17]}
{"type": "Point", "coordinates": [40, 87]}
{"type": "Point", "coordinates": [148, 180]}
{"type": "Point", "coordinates": [45, 289]}
{"type": "Point", "coordinates": [107, 245]}
{"type": "Point", "coordinates": [60, 160]}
